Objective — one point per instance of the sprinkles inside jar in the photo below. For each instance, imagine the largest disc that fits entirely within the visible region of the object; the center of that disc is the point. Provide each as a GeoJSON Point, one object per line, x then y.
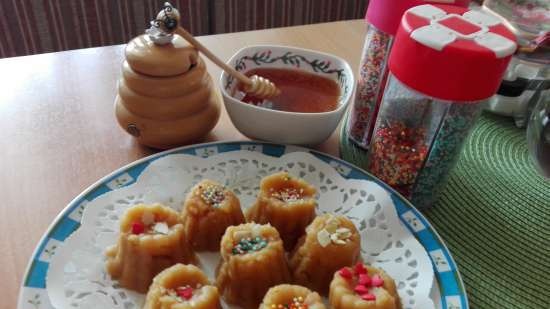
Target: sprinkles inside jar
{"type": "Point", "coordinates": [398, 154]}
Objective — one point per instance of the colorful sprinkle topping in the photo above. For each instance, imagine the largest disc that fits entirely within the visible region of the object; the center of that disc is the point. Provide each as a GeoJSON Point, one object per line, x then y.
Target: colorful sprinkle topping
{"type": "Point", "coordinates": [360, 269]}
{"type": "Point", "coordinates": [138, 227]}
{"type": "Point", "coordinates": [364, 279]}
{"type": "Point", "coordinates": [364, 283]}
{"type": "Point", "coordinates": [182, 293]}
{"type": "Point", "coordinates": [368, 297]}
{"type": "Point", "coordinates": [185, 292]}
{"type": "Point", "coordinates": [297, 303]}
{"type": "Point", "coordinates": [287, 195]}
{"type": "Point", "coordinates": [148, 225]}
{"type": "Point", "coordinates": [377, 281]}
{"type": "Point", "coordinates": [212, 194]}
{"type": "Point", "coordinates": [333, 233]}
{"type": "Point", "coordinates": [345, 273]}
{"type": "Point", "coordinates": [249, 244]}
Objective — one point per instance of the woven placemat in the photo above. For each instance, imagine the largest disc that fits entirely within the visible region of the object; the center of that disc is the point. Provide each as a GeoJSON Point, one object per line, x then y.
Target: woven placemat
{"type": "Point", "coordinates": [494, 215]}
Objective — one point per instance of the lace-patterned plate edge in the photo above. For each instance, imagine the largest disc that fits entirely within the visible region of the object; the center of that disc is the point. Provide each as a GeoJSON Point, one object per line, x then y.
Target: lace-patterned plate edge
{"type": "Point", "coordinates": [451, 292]}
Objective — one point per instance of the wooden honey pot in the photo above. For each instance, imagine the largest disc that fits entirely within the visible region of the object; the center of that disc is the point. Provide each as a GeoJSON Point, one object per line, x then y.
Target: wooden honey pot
{"type": "Point", "coordinates": [166, 98]}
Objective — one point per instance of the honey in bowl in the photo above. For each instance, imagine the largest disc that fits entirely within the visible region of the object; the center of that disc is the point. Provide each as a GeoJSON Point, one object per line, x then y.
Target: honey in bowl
{"type": "Point", "coordinates": [301, 92]}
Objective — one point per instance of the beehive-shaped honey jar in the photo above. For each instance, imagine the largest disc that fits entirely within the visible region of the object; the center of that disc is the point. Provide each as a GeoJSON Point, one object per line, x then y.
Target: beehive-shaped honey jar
{"type": "Point", "coordinates": [166, 98]}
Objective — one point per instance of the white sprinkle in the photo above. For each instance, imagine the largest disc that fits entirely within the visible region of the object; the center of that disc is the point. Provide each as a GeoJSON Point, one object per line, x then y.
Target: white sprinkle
{"type": "Point", "coordinates": [161, 228]}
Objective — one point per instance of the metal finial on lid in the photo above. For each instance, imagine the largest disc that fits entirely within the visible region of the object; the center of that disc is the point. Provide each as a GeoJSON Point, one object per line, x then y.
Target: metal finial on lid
{"type": "Point", "coordinates": [164, 25]}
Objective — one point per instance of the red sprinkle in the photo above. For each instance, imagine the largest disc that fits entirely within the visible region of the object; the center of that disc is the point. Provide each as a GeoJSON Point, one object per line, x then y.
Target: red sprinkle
{"type": "Point", "coordinates": [360, 269]}
{"type": "Point", "coordinates": [365, 280]}
{"type": "Point", "coordinates": [185, 292]}
{"type": "Point", "coordinates": [138, 227]}
{"type": "Point", "coordinates": [377, 281]}
{"type": "Point", "coordinates": [345, 272]}
{"type": "Point", "coordinates": [361, 289]}
{"type": "Point", "coordinates": [368, 296]}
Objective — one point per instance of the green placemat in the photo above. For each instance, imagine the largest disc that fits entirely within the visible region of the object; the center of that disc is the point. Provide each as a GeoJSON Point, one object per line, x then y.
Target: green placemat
{"type": "Point", "coordinates": [494, 215]}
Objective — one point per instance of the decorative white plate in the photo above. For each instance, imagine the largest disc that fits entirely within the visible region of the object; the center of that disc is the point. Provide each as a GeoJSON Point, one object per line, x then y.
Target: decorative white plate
{"type": "Point", "coordinates": [67, 268]}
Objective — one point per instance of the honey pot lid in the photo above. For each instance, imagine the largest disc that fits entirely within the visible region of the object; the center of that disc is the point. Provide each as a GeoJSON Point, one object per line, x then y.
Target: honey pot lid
{"type": "Point", "coordinates": [161, 52]}
{"type": "Point", "coordinates": [161, 60]}
{"type": "Point", "coordinates": [451, 53]}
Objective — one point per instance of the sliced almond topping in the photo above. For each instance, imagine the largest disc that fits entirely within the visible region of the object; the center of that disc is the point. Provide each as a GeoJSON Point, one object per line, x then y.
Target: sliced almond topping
{"type": "Point", "coordinates": [323, 237]}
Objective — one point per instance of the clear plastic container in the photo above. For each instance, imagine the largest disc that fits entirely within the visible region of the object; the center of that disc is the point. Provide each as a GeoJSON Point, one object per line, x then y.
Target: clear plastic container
{"type": "Point", "coordinates": [445, 62]}
{"type": "Point", "coordinates": [370, 85]}
{"type": "Point", "coordinates": [417, 139]}
{"type": "Point", "coordinates": [383, 18]}
{"type": "Point", "coordinates": [538, 133]}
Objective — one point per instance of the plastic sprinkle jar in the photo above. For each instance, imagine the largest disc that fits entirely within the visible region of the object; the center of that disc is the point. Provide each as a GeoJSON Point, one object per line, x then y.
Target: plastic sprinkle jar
{"type": "Point", "coordinates": [383, 18]}
{"type": "Point", "coordinates": [446, 60]}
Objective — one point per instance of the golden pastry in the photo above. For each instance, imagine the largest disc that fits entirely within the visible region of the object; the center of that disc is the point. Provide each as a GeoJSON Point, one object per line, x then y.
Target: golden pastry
{"type": "Point", "coordinates": [363, 287]}
{"type": "Point", "coordinates": [331, 242]}
{"type": "Point", "coordinates": [182, 287]}
{"type": "Point", "coordinates": [151, 240]}
{"type": "Point", "coordinates": [287, 296]}
{"type": "Point", "coordinates": [208, 210]}
{"type": "Point", "coordinates": [286, 202]}
{"type": "Point", "coordinates": [253, 260]}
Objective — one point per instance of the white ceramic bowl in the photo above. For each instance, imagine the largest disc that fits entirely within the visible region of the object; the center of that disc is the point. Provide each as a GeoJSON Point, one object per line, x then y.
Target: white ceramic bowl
{"type": "Point", "coordinates": [279, 126]}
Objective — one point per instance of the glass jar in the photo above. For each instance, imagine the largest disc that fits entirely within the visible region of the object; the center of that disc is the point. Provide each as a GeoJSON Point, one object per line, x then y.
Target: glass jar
{"type": "Point", "coordinates": [444, 63]}
{"type": "Point", "coordinates": [417, 139]}
{"type": "Point", "coordinates": [538, 132]}
{"type": "Point", "coordinates": [370, 85]}
{"type": "Point", "coordinates": [383, 18]}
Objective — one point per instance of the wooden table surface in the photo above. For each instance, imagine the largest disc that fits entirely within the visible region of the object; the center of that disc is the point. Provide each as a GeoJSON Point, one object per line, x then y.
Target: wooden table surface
{"type": "Point", "coordinates": [60, 134]}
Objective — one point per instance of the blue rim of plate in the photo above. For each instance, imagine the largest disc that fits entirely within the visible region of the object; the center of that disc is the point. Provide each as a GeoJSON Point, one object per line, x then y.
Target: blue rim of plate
{"type": "Point", "coordinates": [452, 290]}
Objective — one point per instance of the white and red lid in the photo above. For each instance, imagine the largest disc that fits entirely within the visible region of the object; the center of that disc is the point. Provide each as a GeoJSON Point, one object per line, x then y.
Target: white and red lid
{"type": "Point", "coordinates": [386, 15]}
{"type": "Point", "coordinates": [451, 53]}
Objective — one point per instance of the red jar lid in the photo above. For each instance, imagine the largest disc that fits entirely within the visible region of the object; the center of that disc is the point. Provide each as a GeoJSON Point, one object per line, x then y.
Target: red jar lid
{"type": "Point", "coordinates": [386, 15]}
{"type": "Point", "coordinates": [451, 53]}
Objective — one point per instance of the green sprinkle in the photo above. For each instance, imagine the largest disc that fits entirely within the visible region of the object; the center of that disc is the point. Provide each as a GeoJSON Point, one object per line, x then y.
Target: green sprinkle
{"type": "Point", "coordinates": [247, 245]}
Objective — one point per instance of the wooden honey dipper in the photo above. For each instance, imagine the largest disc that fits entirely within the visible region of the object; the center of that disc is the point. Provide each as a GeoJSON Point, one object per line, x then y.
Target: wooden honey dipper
{"type": "Point", "coordinates": [167, 23]}
{"type": "Point", "coordinates": [256, 86]}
